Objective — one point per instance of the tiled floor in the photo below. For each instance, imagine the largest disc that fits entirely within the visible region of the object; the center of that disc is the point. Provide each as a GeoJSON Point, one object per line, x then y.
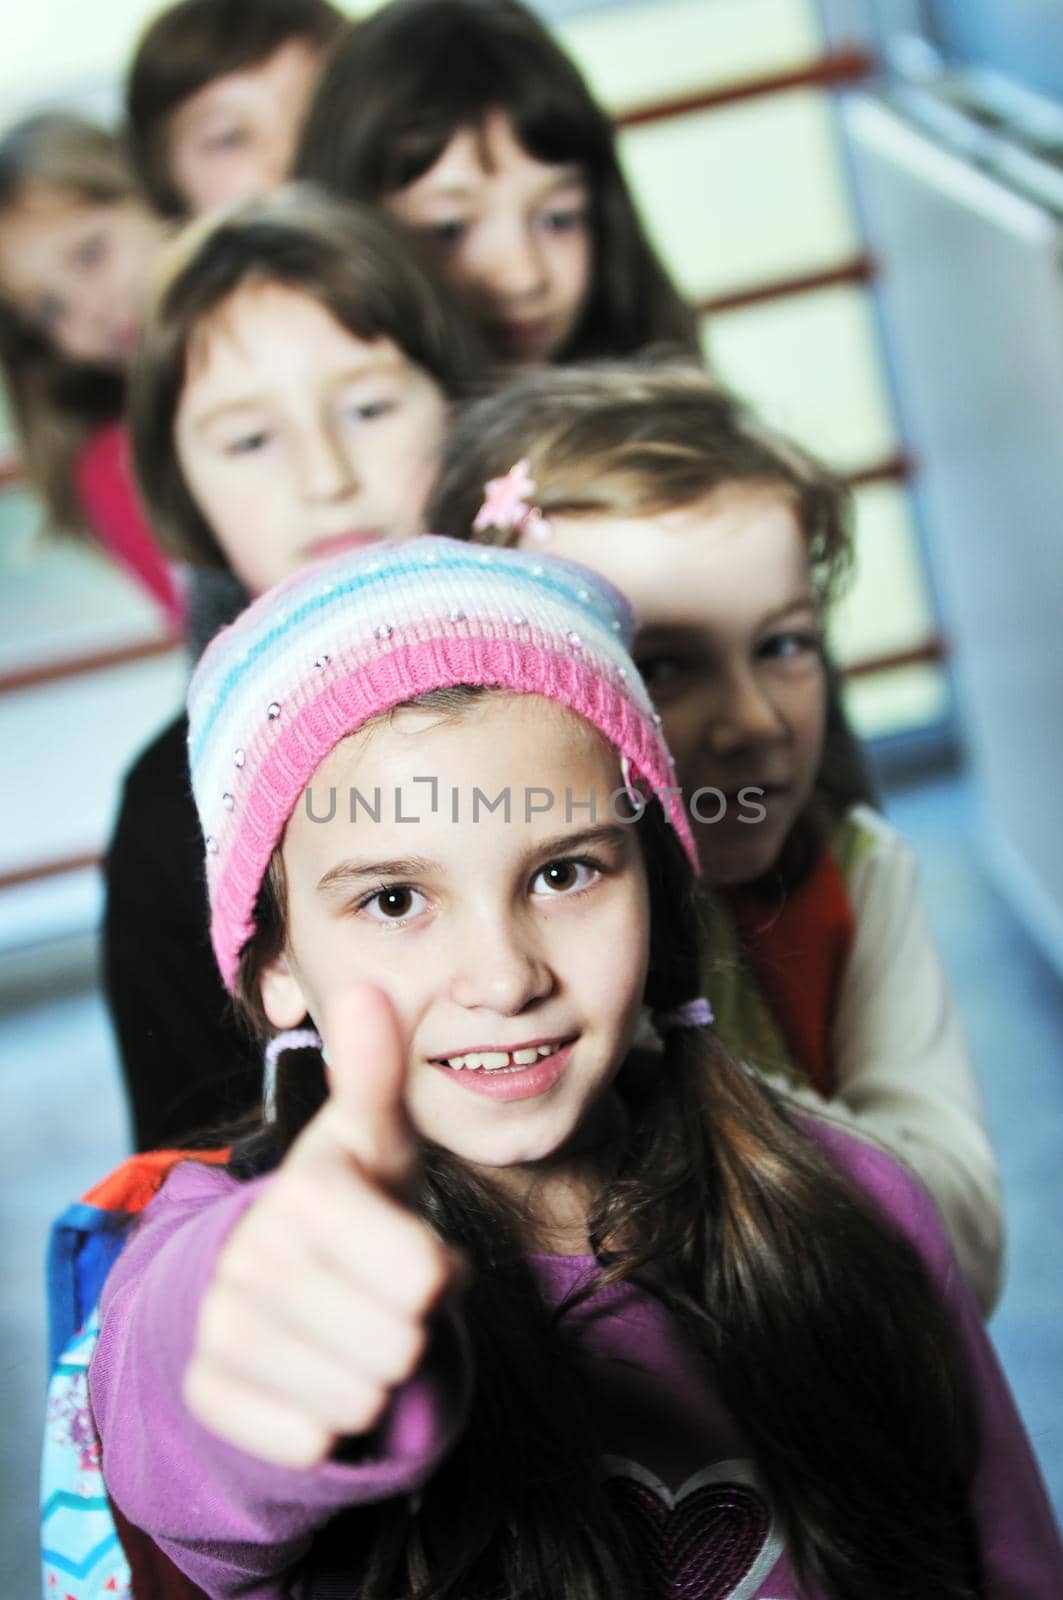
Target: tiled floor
{"type": "Point", "coordinates": [65, 1125]}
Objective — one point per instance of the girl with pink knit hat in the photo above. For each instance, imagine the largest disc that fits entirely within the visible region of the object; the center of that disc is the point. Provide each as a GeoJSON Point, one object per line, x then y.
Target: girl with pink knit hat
{"type": "Point", "coordinates": [491, 1299]}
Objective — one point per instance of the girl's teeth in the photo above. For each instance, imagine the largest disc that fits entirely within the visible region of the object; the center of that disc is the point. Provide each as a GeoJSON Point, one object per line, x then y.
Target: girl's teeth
{"type": "Point", "coordinates": [498, 1060]}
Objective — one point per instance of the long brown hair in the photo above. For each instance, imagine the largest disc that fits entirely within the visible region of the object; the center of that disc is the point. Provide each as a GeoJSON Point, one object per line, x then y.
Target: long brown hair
{"type": "Point", "coordinates": [637, 438]}
{"type": "Point", "coordinates": [352, 260]}
{"type": "Point", "coordinates": [190, 45]}
{"type": "Point", "coordinates": [400, 85]}
{"type": "Point", "coordinates": [816, 1321]}
{"type": "Point", "coordinates": [58, 403]}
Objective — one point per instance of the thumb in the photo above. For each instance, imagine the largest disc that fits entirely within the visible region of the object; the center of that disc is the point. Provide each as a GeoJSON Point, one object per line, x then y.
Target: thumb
{"type": "Point", "coordinates": [365, 1115]}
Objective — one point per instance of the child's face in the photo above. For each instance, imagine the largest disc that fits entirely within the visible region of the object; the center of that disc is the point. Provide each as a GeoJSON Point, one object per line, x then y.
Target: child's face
{"type": "Point", "coordinates": [235, 138]}
{"type": "Point", "coordinates": [511, 233]}
{"type": "Point", "coordinates": [488, 935]}
{"type": "Point", "coordinates": [296, 439]}
{"type": "Point", "coordinates": [729, 646]}
{"type": "Point", "coordinates": [78, 271]}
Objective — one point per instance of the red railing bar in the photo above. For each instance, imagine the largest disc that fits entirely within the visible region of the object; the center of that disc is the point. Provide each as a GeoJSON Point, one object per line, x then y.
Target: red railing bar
{"type": "Point", "coordinates": [48, 869]}
{"type": "Point", "coordinates": [92, 661]}
{"type": "Point", "coordinates": [931, 651]}
{"type": "Point", "coordinates": [861, 269]}
{"type": "Point", "coordinates": [831, 71]}
{"type": "Point", "coordinates": [894, 469]}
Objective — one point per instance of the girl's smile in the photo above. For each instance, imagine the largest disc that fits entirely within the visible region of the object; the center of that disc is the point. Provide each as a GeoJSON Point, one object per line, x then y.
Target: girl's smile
{"type": "Point", "coordinates": [517, 1074]}
{"type": "Point", "coordinates": [486, 934]}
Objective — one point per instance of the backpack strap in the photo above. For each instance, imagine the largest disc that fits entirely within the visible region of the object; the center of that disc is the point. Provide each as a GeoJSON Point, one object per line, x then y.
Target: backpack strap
{"type": "Point", "coordinates": [88, 1237]}
{"type": "Point", "coordinates": [89, 1551]}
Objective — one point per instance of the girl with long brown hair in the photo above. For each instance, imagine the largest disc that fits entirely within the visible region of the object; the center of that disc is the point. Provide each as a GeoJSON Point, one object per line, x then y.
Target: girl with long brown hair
{"type": "Point", "coordinates": [467, 121]}
{"type": "Point", "coordinates": [492, 1300]}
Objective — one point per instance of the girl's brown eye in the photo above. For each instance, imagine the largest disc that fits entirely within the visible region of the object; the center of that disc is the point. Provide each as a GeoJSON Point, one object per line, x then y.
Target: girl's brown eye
{"type": "Point", "coordinates": [394, 902]}
{"type": "Point", "coordinates": [398, 904]}
{"type": "Point", "coordinates": [564, 877]}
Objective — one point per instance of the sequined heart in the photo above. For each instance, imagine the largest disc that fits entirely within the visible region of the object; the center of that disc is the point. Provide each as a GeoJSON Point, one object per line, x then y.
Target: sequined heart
{"type": "Point", "coordinates": [714, 1538]}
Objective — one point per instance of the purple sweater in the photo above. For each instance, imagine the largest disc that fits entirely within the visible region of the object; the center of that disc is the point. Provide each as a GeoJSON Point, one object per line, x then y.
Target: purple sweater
{"type": "Point", "coordinates": [676, 1464]}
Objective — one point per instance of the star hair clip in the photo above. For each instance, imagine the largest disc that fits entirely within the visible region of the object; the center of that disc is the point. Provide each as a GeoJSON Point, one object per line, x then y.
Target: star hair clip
{"type": "Point", "coordinates": [507, 506]}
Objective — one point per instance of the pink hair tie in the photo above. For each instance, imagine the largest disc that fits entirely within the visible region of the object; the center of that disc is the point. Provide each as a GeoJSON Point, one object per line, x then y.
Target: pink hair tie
{"type": "Point", "coordinates": [506, 508]}
{"type": "Point", "coordinates": [290, 1039]}
{"type": "Point", "coordinates": [692, 1014]}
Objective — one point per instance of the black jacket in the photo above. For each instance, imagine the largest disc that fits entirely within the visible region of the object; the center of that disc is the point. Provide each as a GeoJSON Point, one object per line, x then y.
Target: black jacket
{"type": "Point", "coordinates": [188, 1062]}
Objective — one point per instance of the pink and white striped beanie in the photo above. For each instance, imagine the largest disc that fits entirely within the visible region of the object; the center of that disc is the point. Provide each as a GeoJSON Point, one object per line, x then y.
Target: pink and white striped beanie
{"type": "Point", "coordinates": [347, 639]}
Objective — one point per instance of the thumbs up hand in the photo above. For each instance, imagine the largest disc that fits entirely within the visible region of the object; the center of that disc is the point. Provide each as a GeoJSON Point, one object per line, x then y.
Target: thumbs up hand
{"type": "Point", "coordinates": [319, 1301]}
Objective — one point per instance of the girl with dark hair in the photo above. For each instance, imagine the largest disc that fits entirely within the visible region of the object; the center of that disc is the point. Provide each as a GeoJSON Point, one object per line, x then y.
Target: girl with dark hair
{"type": "Point", "coordinates": [467, 121]}
{"type": "Point", "coordinates": [492, 1301]}
{"type": "Point", "coordinates": [730, 543]}
{"type": "Point", "coordinates": [216, 95]}
{"type": "Point", "coordinates": [290, 399]}
{"type": "Point", "coordinates": [77, 244]}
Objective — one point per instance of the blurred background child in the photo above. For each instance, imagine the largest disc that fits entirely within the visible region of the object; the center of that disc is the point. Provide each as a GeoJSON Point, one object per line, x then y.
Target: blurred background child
{"type": "Point", "coordinates": [467, 121]}
{"type": "Point", "coordinates": [216, 95]}
{"type": "Point", "coordinates": [77, 246]}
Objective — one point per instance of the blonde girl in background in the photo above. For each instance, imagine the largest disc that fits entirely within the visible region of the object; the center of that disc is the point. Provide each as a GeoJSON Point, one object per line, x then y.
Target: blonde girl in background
{"type": "Point", "coordinates": [77, 246]}
{"type": "Point", "coordinates": [729, 542]}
